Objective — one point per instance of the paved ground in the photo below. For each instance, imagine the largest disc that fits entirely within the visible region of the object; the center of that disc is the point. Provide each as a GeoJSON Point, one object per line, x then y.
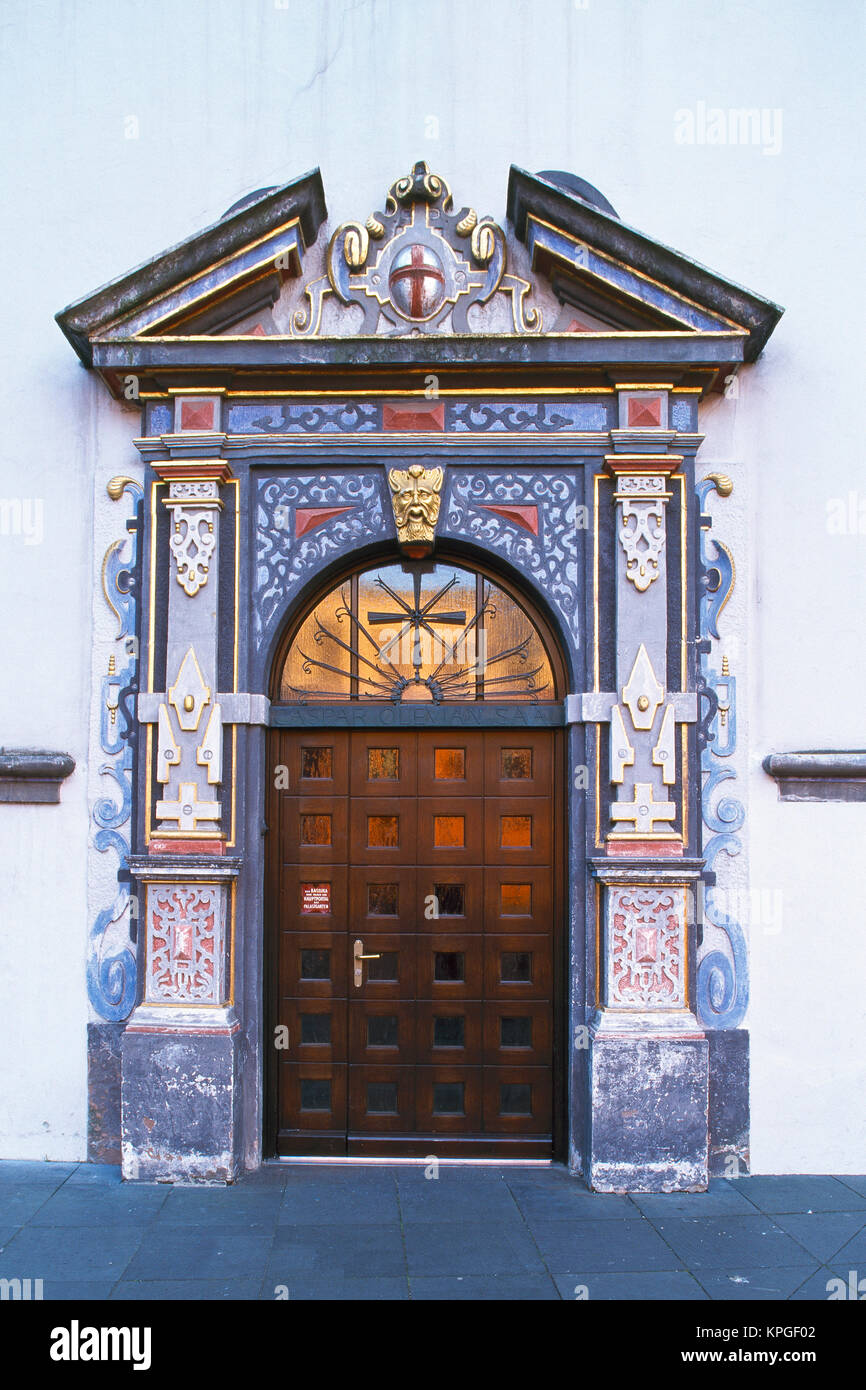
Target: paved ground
{"type": "Point", "coordinates": [390, 1233]}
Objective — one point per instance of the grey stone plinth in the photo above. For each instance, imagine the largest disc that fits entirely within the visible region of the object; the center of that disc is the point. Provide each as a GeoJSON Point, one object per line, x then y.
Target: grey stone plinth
{"type": "Point", "coordinates": [179, 1093]}
{"type": "Point", "coordinates": [648, 1125]}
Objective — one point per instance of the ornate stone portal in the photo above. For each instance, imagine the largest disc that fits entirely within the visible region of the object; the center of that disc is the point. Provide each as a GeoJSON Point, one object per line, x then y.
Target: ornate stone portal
{"type": "Point", "coordinates": [526, 400]}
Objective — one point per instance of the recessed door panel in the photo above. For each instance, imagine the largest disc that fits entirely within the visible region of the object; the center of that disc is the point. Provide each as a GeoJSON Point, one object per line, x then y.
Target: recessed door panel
{"type": "Point", "coordinates": [518, 899]}
{"type": "Point", "coordinates": [517, 1100]}
{"type": "Point", "coordinates": [517, 967]}
{"type": "Point", "coordinates": [313, 965]}
{"type": "Point", "coordinates": [312, 1096]}
{"type": "Point", "coordinates": [449, 1099]}
{"type": "Point", "coordinates": [518, 763]}
{"type": "Point", "coordinates": [451, 899]}
{"type": "Point", "coordinates": [383, 1032]}
{"type": "Point", "coordinates": [384, 763]}
{"type": "Point", "coordinates": [383, 899]}
{"type": "Point", "coordinates": [382, 830]}
{"type": "Point", "coordinates": [381, 1099]}
{"type": "Point", "coordinates": [450, 830]}
{"type": "Point", "coordinates": [517, 830]}
{"type": "Point", "coordinates": [315, 1030]}
{"type": "Point", "coordinates": [314, 829]}
{"type": "Point", "coordinates": [450, 765]}
{"type": "Point", "coordinates": [517, 1032]}
{"type": "Point", "coordinates": [450, 1031]}
{"type": "Point", "coordinates": [317, 764]}
{"type": "Point", "coordinates": [450, 966]}
{"type": "Point", "coordinates": [313, 898]}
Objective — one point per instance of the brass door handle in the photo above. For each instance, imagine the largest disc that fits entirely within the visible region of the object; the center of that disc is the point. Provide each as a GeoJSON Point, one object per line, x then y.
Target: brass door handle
{"type": "Point", "coordinates": [358, 954]}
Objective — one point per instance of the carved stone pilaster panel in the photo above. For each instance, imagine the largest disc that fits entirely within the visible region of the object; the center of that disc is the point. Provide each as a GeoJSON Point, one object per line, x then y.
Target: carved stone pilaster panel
{"type": "Point", "coordinates": [186, 925]}
{"type": "Point", "coordinates": [193, 540]}
{"type": "Point", "coordinates": [645, 932]}
{"type": "Point", "coordinates": [641, 500]}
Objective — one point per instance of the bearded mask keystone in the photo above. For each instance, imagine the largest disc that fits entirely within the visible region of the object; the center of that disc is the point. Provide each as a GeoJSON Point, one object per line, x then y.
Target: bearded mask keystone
{"type": "Point", "coordinates": [415, 497]}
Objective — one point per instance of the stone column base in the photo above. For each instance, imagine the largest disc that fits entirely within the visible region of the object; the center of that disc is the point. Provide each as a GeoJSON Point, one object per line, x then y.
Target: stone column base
{"type": "Point", "coordinates": [648, 1112]}
{"type": "Point", "coordinates": [179, 1087]}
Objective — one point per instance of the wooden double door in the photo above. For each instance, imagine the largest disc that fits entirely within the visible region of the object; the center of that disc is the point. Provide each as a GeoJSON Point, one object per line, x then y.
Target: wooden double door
{"type": "Point", "coordinates": [414, 945]}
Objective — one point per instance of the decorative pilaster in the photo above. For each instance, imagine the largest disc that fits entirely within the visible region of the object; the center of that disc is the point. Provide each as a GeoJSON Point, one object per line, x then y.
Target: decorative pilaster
{"type": "Point", "coordinates": [179, 1101]}
{"type": "Point", "coordinates": [648, 1054]}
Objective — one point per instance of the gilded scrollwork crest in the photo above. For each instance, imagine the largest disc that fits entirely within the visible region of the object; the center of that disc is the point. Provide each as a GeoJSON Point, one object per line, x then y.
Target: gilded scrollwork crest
{"type": "Point", "coordinates": [419, 265]}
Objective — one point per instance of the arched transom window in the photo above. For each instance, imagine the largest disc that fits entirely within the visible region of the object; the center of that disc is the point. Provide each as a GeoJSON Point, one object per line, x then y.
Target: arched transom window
{"type": "Point", "coordinates": [417, 631]}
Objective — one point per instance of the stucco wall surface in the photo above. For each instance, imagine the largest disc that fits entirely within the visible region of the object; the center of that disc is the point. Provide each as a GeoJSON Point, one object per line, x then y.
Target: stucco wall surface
{"type": "Point", "coordinates": [128, 127]}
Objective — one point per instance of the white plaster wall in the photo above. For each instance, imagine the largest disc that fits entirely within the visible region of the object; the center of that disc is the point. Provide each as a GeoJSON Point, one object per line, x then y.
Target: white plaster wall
{"type": "Point", "coordinates": [128, 127]}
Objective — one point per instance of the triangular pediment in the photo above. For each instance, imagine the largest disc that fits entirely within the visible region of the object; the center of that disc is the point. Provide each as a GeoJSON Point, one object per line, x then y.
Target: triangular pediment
{"type": "Point", "coordinates": [563, 273]}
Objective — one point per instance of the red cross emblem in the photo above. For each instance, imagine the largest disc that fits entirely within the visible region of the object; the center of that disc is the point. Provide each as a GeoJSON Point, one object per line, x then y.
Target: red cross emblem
{"type": "Point", "coordinates": [417, 282]}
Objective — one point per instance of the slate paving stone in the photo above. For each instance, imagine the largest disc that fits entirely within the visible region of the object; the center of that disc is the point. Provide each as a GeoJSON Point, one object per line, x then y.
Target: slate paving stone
{"type": "Point", "coordinates": [549, 1175]}
{"type": "Point", "coordinates": [823, 1234]}
{"type": "Point", "coordinates": [201, 1252]}
{"type": "Point", "coordinates": [754, 1285]}
{"type": "Point", "coordinates": [20, 1204]}
{"type": "Point", "coordinates": [570, 1204]}
{"type": "Point", "coordinates": [224, 1206]}
{"type": "Point", "coordinates": [654, 1286]}
{"type": "Point", "coordinates": [77, 1290]}
{"type": "Point", "coordinates": [91, 1205]}
{"type": "Point", "coordinates": [852, 1254]}
{"type": "Point", "coordinates": [356, 1251]}
{"type": "Point", "coordinates": [184, 1290]}
{"type": "Point", "coordinates": [339, 1288]}
{"type": "Point", "coordinates": [350, 1175]}
{"type": "Point", "coordinates": [385, 1232]}
{"type": "Point", "coordinates": [722, 1198]}
{"type": "Point", "coordinates": [70, 1252]}
{"type": "Point", "coordinates": [315, 1204]}
{"type": "Point", "coordinates": [846, 1285]}
{"type": "Point", "coordinates": [443, 1199]}
{"type": "Point", "coordinates": [531, 1288]}
{"type": "Point", "coordinates": [815, 1289]}
{"type": "Point", "coordinates": [799, 1193]}
{"type": "Point", "coordinates": [599, 1246]}
{"type": "Point", "coordinates": [268, 1175]}
{"type": "Point", "coordinates": [24, 1172]}
{"type": "Point", "coordinates": [470, 1247]}
{"type": "Point", "coordinates": [726, 1242]}
{"type": "Point", "coordinates": [101, 1175]}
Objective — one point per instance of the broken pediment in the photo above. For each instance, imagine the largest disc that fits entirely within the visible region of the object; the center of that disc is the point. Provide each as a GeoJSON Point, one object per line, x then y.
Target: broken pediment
{"type": "Point", "coordinates": [271, 284]}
